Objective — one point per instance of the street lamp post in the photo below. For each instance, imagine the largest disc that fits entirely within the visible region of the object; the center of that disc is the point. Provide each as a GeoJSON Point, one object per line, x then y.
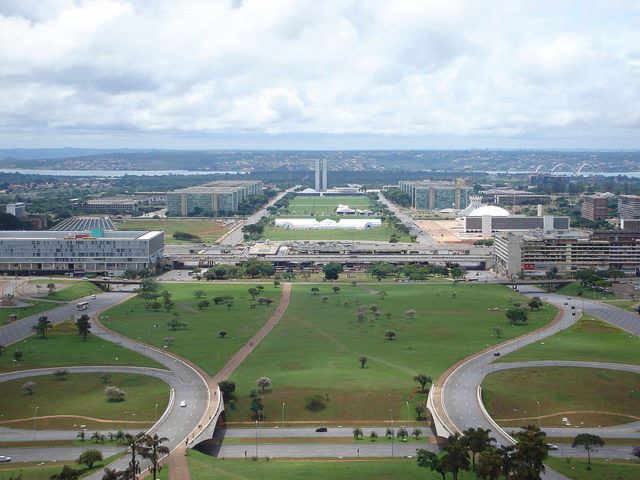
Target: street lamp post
{"type": "Point", "coordinates": [408, 412]}
{"type": "Point", "coordinates": [35, 423]}
{"type": "Point", "coordinates": [392, 432]}
{"type": "Point", "coordinates": [257, 435]}
{"type": "Point", "coordinates": [156, 411]}
{"type": "Point", "coordinates": [282, 423]}
{"type": "Point", "coordinates": [539, 418]}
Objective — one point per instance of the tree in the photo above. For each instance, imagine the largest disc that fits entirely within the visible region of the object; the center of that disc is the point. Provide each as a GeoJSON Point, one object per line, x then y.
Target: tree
{"type": "Point", "coordinates": [456, 455]}
{"type": "Point", "coordinates": [410, 313]}
{"type": "Point", "coordinates": [276, 283]}
{"type": "Point", "coordinates": [175, 324]}
{"type": "Point", "coordinates": [29, 388]}
{"type": "Point", "coordinates": [134, 444]}
{"type": "Point", "coordinates": [256, 406]}
{"type": "Point", "coordinates": [417, 433]}
{"type": "Point", "coordinates": [332, 270]}
{"type": "Point", "coordinates": [17, 355]}
{"type": "Point", "coordinates": [430, 460]}
{"type": "Point", "coordinates": [357, 433]}
{"type": "Point", "coordinates": [477, 440]}
{"type": "Point", "coordinates": [89, 457]}
{"type": "Point", "coordinates": [153, 450]}
{"type": "Point", "coordinates": [423, 380]}
{"type": "Point", "coordinates": [264, 383]}
{"type": "Point", "coordinates": [420, 411]}
{"type": "Point", "coordinates": [227, 388]}
{"type": "Point", "coordinates": [81, 435]}
{"type": "Point", "coordinates": [380, 270]}
{"type": "Point", "coordinates": [382, 294]}
{"type": "Point", "coordinates": [324, 299]}
{"type": "Point", "coordinates": [389, 433]}
{"type": "Point", "coordinates": [254, 292]}
{"type": "Point", "coordinates": [61, 374]}
{"type": "Point", "coordinates": [315, 403]}
{"type": "Point", "coordinates": [362, 360]}
{"type": "Point", "coordinates": [110, 474]}
{"type": "Point", "coordinates": [402, 434]}
{"type": "Point", "coordinates": [42, 326]}
{"type": "Point", "coordinates": [105, 377]}
{"type": "Point", "coordinates": [390, 335]}
{"type": "Point", "coordinates": [203, 304]}
{"type": "Point", "coordinates": [84, 326]}
{"type": "Point", "coordinates": [498, 331]}
{"type": "Point", "coordinates": [516, 315]}
{"type": "Point", "coordinates": [264, 301]}
{"type": "Point", "coordinates": [589, 442]}
{"type": "Point", "coordinates": [456, 272]}
{"type": "Point", "coordinates": [489, 464]}
{"type": "Point", "coordinates": [199, 294]}
{"type": "Point", "coordinates": [222, 333]}
{"type": "Point", "coordinates": [373, 436]}
{"type": "Point", "coordinates": [148, 290]}
{"type": "Point", "coordinates": [67, 473]}
{"type": "Point", "coordinates": [336, 289]}
{"type": "Point", "coordinates": [636, 452]}
{"type": "Point", "coordinates": [535, 303]}
{"type": "Point", "coordinates": [51, 287]}
{"type": "Point", "coordinates": [114, 394]}
{"type": "Point", "coordinates": [530, 452]}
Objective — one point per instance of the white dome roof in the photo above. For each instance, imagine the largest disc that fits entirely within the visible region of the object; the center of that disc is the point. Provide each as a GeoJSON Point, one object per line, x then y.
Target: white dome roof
{"type": "Point", "coordinates": [490, 210]}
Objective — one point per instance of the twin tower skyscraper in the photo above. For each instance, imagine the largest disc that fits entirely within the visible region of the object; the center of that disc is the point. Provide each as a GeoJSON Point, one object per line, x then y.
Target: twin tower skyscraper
{"type": "Point", "coordinates": [321, 175]}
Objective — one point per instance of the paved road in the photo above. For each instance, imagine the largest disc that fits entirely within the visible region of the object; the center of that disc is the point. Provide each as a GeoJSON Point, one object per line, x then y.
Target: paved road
{"type": "Point", "coordinates": [627, 430]}
{"type": "Point", "coordinates": [48, 454]}
{"type": "Point", "coordinates": [309, 432]}
{"type": "Point", "coordinates": [178, 422]}
{"type": "Point", "coordinates": [421, 235]}
{"type": "Point", "coordinates": [367, 449]}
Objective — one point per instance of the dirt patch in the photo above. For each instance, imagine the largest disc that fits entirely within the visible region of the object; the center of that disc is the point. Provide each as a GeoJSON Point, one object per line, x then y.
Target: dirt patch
{"type": "Point", "coordinates": [595, 326]}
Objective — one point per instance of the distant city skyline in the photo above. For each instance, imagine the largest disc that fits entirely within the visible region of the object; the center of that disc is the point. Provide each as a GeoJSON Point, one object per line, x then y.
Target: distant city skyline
{"type": "Point", "coordinates": [302, 74]}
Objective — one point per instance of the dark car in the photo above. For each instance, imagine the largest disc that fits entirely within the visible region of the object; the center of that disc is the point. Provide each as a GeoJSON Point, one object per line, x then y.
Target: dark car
{"type": "Point", "coordinates": [321, 429]}
{"type": "Point", "coordinates": [496, 354]}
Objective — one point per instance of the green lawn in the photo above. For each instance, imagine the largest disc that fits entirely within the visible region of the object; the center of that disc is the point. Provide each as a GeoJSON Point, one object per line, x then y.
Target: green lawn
{"type": "Point", "coordinates": [324, 206]}
{"type": "Point", "coordinates": [199, 341]}
{"type": "Point", "coordinates": [204, 467]}
{"type": "Point", "coordinates": [624, 304]}
{"type": "Point", "coordinates": [44, 470]}
{"type": "Point", "coordinates": [382, 233]}
{"type": "Point", "coordinates": [576, 393]}
{"type": "Point", "coordinates": [76, 289]}
{"type": "Point", "coordinates": [82, 394]}
{"type": "Point", "coordinates": [589, 339]}
{"type": "Point", "coordinates": [63, 347]}
{"type": "Point", "coordinates": [316, 346]}
{"type": "Point", "coordinates": [33, 308]}
{"type": "Point", "coordinates": [576, 290]}
{"type": "Point", "coordinates": [209, 230]}
{"type": "Point", "coordinates": [576, 468]}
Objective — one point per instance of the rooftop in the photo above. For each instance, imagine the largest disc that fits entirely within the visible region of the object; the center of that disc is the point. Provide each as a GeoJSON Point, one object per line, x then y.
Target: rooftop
{"type": "Point", "coordinates": [73, 234]}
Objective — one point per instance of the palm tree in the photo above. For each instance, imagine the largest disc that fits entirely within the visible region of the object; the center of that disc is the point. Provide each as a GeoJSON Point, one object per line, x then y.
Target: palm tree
{"type": "Point", "coordinates": [477, 440]}
{"type": "Point", "coordinates": [95, 436]}
{"type": "Point", "coordinates": [456, 455]}
{"type": "Point", "coordinates": [152, 449]}
{"type": "Point", "coordinates": [489, 464]}
{"type": "Point", "coordinates": [531, 450]}
{"type": "Point", "coordinates": [42, 326]}
{"type": "Point", "coordinates": [110, 474]}
{"type": "Point", "coordinates": [423, 380]}
{"type": "Point", "coordinates": [133, 442]}
{"type": "Point", "coordinates": [81, 435]}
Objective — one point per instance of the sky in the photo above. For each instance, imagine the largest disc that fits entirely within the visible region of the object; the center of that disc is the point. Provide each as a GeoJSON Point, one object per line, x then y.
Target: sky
{"type": "Point", "coordinates": [320, 74]}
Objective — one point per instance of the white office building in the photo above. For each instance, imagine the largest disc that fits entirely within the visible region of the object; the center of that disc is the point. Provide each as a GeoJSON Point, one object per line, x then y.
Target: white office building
{"type": "Point", "coordinates": [321, 175]}
{"type": "Point", "coordinates": [18, 210]}
{"type": "Point", "coordinates": [99, 252]}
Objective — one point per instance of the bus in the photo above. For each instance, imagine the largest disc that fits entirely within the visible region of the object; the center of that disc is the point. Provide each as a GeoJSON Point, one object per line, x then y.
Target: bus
{"type": "Point", "coordinates": [82, 305]}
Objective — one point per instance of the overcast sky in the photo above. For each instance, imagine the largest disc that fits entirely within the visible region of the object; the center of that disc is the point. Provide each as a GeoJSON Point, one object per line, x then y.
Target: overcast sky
{"type": "Point", "coordinates": [320, 74]}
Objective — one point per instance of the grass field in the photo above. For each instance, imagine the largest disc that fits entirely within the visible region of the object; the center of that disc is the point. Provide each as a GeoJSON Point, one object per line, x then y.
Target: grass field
{"type": "Point", "coordinates": [204, 467]}
{"type": "Point", "coordinates": [576, 290]}
{"type": "Point", "coordinates": [199, 341]}
{"type": "Point", "coordinates": [82, 394]}
{"type": "Point", "coordinates": [44, 470]}
{"type": "Point", "coordinates": [324, 206]}
{"type": "Point", "coordinates": [316, 346]}
{"type": "Point", "coordinates": [576, 468]}
{"type": "Point", "coordinates": [33, 308]}
{"type": "Point", "coordinates": [209, 230]}
{"type": "Point", "coordinates": [562, 392]}
{"type": "Point", "coordinates": [589, 339]}
{"type": "Point", "coordinates": [381, 234]}
{"type": "Point", "coordinates": [624, 304]}
{"type": "Point", "coordinates": [73, 291]}
{"type": "Point", "coordinates": [63, 347]}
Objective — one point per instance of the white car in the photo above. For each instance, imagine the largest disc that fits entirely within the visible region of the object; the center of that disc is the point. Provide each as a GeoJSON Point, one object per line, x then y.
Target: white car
{"type": "Point", "coordinates": [93, 297]}
{"type": "Point", "coordinates": [4, 459]}
{"type": "Point", "coordinates": [183, 403]}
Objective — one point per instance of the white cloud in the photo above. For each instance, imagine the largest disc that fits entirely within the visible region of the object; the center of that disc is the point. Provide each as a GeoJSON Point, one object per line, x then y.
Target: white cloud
{"type": "Point", "coordinates": [460, 69]}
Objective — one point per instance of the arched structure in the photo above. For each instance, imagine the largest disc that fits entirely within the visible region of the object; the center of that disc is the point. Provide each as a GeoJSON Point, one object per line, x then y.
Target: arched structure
{"type": "Point", "coordinates": [557, 167]}
{"type": "Point", "coordinates": [586, 165]}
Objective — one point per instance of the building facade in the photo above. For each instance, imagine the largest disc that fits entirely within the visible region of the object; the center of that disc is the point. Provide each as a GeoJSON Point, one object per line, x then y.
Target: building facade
{"type": "Point", "coordinates": [488, 225]}
{"type": "Point", "coordinates": [538, 252]}
{"type": "Point", "coordinates": [18, 210]}
{"type": "Point", "coordinates": [217, 198]}
{"type": "Point", "coordinates": [428, 195]}
{"type": "Point", "coordinates": [321, 175]}
{"type": "Point", "coordinates": [99, 252]}
{"type": "Point", "coordinates": [594, 208]}
{"type": "Point", "coordinates": [629, 206]}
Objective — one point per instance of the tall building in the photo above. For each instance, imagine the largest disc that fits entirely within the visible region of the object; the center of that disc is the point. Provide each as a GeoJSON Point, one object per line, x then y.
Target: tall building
{"type": "Point", "coordinates": [537, 252]}
{"type": "Point", "coordinates": [100, 252]}
{"type": "Point", "coordinates": [321, 175]}
{"type": "Point", "coordinates": [594, 207]}
{"type": "Point", "coordinates": [218, 198]}
{"type": "Point", "coordinates": [18, 210]}
{"type": "Point", "coordinates": [430, 195]}
{"type": "Point", "coordinates": [629, 206]}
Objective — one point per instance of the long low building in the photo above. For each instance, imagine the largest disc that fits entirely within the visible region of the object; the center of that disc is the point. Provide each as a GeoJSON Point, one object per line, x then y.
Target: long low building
{"type": "Point", "coordinates": [328, 224]}
{"type": "Point", "coordinates": [99, 252]}
{"type": "Point", "coordinates": [537, 252]}
{"type": "Point", "coordinates": [218, 198]}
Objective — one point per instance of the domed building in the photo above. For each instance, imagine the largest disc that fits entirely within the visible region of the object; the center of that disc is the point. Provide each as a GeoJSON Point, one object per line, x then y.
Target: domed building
{"type": "Point", "coordinates": [490, 210]}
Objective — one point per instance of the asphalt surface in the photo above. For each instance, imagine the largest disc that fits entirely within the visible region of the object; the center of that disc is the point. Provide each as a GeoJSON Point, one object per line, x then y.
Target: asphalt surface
{"type": "Point", "coordinates": [177, 422]}
{"type": "Point", "coordinates": [50, 454]}
{"type": "Point", "coordinates": [309, 432]}
{"type": "Point", "coordinates": [421, 235]}
{"type": "Point", "coordinates": [365, 449]}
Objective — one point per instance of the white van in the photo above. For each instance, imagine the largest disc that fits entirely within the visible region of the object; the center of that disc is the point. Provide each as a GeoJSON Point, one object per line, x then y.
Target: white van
{"type": "Point", "coordinates": [183, 403]}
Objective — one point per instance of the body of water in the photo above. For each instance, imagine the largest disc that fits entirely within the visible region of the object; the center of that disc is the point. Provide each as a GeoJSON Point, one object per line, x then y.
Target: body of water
{"type": "Point", "coordinates": [112, 173]}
